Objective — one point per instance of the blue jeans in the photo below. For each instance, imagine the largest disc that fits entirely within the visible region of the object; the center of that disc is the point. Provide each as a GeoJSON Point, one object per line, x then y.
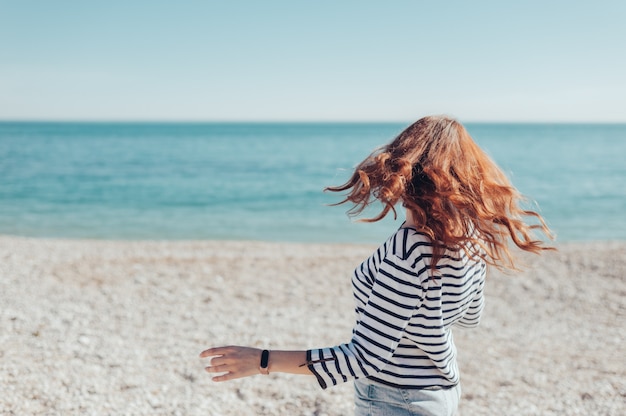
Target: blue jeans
{"type": "Point", "coordinates": [376, 399]}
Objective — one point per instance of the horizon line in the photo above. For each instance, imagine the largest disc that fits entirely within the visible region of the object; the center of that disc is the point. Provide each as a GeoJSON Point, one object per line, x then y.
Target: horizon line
{"type": "Point", "coordinates": [304, 121]}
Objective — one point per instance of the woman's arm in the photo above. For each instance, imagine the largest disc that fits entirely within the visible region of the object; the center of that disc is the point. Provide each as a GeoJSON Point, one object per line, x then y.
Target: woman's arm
{"type": "Point", "coordinates": [237, 362]}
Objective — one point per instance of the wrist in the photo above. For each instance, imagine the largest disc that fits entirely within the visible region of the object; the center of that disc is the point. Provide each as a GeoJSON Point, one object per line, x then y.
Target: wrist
{"type": "Point", "coordinates": [264, 362]}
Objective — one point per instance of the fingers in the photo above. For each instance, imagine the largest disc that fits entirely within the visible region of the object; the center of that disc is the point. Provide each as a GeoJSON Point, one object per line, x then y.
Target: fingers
{"type": "Point", "coordinates": [223, 377]}
{"type": "Point", "coordinates": [232, 361]}
{"type": "Point", "coordinates": [217, 368]}
{"type": "Point", "coordinates": [228, 372]}
{"type": "Point", "coordinates": [231, 351]}
{"type": "Point", "coordinates": [211, 352]}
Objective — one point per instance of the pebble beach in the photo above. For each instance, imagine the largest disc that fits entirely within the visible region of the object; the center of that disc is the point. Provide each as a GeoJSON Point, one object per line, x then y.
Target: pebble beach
{"type": "Point", "coordinates": [95, 327]}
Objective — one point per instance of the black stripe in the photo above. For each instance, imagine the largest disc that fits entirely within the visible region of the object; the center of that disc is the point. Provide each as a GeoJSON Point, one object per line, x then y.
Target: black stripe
{"type": "Point", "coordinates": [428, 318]}
{"type": "Point", "coordinates": [420, 335]}
{"type": "Point", "coordinates": [320, 380]}
{"type": "Point", "coordinates": [432, 298]}
{"type": "Point", "coordinates": [423, 270]}
{"type": "Point", "coordinates": [346, 354]}
{"type": "Point", "coordinates": [372, 342]}
{"type": "Point", "coordinates": [379, 253]}
{"type": "Point", "coordinates": [411, 386]}
{"type": "Point", "coordinates": [398, 292]}
{"type": "Point", "coordinates": [382, 321]}
{"type": "Point", "coordinates": [415, 376]}
{"type": "Point", "coordinates": [325, 368]}
{"type": "Point", "coordinates": [365, 295]}
{"type": "Point", "coordinates": [379, 332]}
{"type": "Point", "coordinates": [362, 358]}
{"type": "Point", "coordinates": [417, 245]}
{"type": "Point", "coordinates": [416, 325]}
{"type": "Point", "coordinates": [391, 301]}
{"type": "Point", "coordinates": [413, 357]}
{"type": "Point", "coordinates": [398, 268]}
{"type": "Point", "coordinates": [459, 304]}
{"type": "Point", "coordinates": [432, 308]}
{"type": "Point", "coordinates": [438, 352]}
{"type": "Point", "coordinates": [343, 377]}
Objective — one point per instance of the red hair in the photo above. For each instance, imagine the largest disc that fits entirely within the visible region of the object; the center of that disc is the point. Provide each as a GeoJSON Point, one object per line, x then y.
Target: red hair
{"type": "Point", "coordinates": [457, 195]}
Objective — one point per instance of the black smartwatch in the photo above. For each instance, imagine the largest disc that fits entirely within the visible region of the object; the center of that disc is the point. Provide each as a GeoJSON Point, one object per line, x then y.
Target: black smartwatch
{"type": "Point", "coordinates": [264, 365]}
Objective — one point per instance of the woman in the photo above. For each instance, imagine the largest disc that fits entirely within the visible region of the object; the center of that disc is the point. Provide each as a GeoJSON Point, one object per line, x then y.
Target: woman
{"type": "Point", "coordinates": [461, 213]}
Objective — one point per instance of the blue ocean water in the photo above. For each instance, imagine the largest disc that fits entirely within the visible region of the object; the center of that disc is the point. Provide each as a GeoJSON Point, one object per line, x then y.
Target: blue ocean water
{"type": "Point", "coordinates": [264, 181]}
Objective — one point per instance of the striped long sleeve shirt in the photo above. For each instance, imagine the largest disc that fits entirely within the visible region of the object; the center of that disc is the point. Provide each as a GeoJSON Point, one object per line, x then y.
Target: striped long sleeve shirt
{"type": "Point", "coordinates": [404, 314]}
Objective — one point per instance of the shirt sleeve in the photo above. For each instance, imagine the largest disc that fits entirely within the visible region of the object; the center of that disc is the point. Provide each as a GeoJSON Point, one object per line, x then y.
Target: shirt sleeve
{"type": "Point", "coordinates": [471, 318]}
{"type": "Point", "coordinates": [397, 292]}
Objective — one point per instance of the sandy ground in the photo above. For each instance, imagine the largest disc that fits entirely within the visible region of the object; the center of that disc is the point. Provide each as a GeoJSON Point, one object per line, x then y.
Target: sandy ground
{"type": "Point", "coordinates": [99, 327]}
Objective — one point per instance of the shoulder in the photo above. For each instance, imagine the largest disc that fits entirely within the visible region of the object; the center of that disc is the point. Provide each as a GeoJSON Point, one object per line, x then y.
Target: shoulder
{"type": "Point", "coordinates": [410, 251]}
{"type": "Point", "coordinates": [405, 257]}
{"type": "Point", "coordinates": [407, 243]}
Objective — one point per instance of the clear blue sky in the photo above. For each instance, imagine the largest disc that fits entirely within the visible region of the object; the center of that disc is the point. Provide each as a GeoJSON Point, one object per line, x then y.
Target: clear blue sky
{"type": "Point", "coordinates": [322, 60]}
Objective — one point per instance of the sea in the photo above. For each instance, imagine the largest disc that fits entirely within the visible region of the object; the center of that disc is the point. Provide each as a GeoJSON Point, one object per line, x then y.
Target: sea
{"type": "Point", "coordinates": [265, 181]}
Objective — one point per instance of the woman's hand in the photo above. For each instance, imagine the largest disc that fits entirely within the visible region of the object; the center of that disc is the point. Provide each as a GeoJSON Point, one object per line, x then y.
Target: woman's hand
{"type": "Point", "coordinates": [237, 362]}
{"type": "Point", "coordinates": [233, 361]}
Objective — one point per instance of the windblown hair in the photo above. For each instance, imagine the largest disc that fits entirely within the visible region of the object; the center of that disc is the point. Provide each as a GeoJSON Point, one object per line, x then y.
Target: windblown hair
{"type": "Point", "coordinates": [457, 195]}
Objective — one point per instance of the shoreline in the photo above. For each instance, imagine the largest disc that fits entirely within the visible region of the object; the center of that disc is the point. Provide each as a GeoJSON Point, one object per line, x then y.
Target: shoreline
{"type": "Point", "coordinates": [115, 326]}
{"type": "Point", "coordinates": [558, 243]}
